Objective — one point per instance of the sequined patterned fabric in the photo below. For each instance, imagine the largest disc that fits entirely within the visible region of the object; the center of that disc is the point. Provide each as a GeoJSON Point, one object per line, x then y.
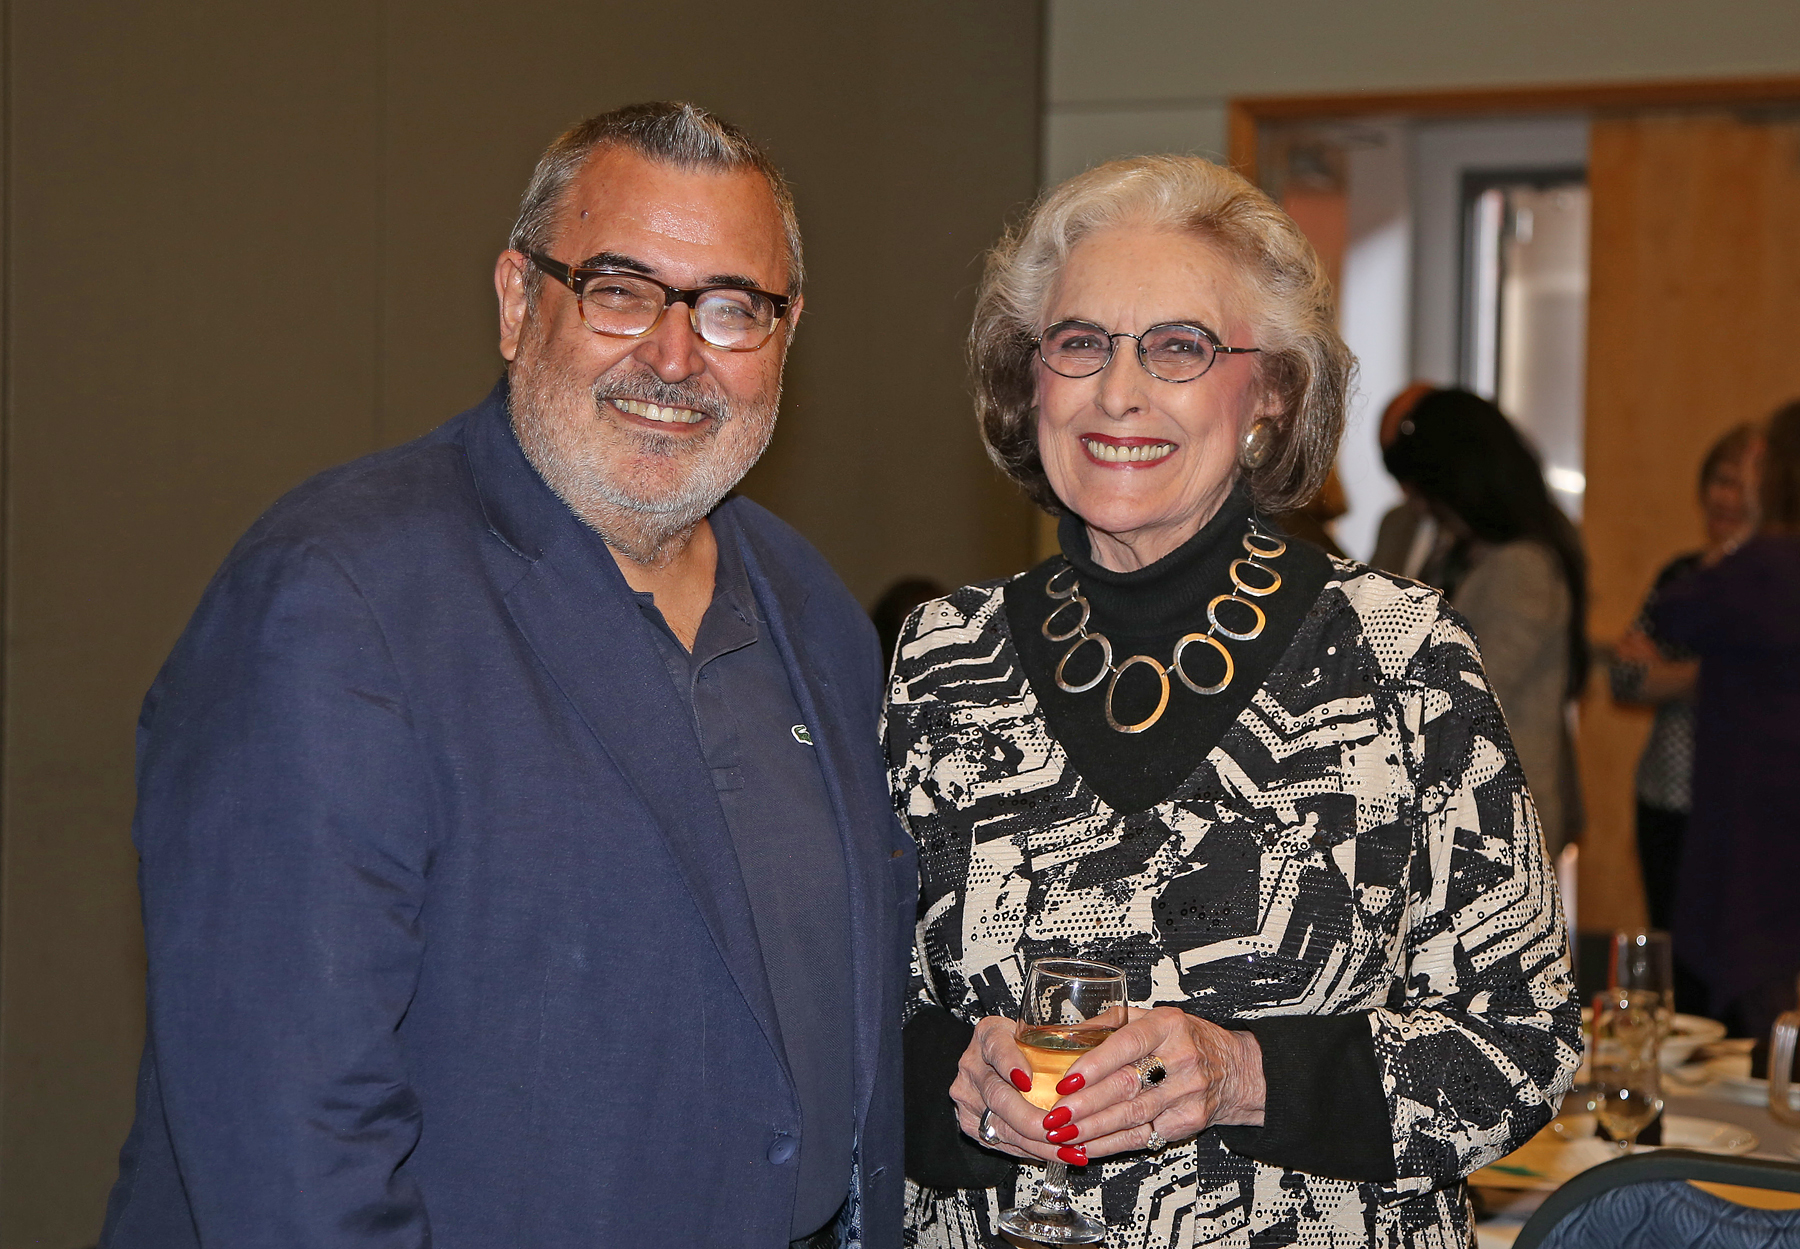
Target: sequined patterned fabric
{"type": "Point", "coordinates": [1360, 840]}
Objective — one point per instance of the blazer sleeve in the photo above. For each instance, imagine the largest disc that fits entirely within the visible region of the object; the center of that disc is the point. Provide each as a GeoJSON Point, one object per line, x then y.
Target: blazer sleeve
{"type": "Point", "coordinates": [1479, 1040]}
{"type": "Point", "coordinates": [283, 840]}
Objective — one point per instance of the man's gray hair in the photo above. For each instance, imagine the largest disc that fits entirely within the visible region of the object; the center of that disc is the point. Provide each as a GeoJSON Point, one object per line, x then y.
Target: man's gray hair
{"type": "Point", "coordinates": [668, 132]}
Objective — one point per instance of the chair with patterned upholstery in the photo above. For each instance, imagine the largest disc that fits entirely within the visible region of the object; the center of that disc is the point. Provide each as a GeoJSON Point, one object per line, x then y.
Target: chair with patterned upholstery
{"type": "Point", "coordinates": [1646, 1202]}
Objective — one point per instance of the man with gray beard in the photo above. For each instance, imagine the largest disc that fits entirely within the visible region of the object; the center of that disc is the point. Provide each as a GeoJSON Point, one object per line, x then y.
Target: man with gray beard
{"type": "Point", "coordinates": [517, 862]}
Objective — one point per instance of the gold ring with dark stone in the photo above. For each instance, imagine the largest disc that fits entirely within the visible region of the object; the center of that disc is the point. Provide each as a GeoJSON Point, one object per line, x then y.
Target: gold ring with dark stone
{"type": "Point", "coordinates": [1151, 1073]}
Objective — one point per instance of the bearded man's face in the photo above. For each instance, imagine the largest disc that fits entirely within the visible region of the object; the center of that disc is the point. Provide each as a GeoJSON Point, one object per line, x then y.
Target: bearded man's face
{"type": "Point", "coordinates": [642, 437]}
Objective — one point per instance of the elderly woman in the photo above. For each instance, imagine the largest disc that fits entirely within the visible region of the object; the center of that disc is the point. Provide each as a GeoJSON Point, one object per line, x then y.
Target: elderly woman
{"type": "Point", "coordinates": [1274, 787]}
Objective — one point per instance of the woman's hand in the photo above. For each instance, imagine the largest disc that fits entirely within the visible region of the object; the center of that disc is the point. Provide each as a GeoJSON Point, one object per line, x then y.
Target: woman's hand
{"type": "Point", "coordinates": [1213, 1076]}
{"type": "Point", "coordinates": [1663, 679]}
{"type": "Point", "coordinates": [989, 1078]}
{"type": "Point", "coordinates": [1635, 647]}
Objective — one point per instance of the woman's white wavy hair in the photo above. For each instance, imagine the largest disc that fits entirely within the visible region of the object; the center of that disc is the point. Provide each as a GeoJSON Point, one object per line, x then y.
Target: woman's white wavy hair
{"type": "Point", "coordinates": [1304, 365]}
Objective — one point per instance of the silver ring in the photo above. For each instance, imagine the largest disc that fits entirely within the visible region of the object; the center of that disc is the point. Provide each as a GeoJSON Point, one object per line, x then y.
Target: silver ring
{"type": "Point", "coordinates": [1157, 1142]}
{"type": "Point", "coordinates": [1276, 547]}
{"type": "Point", "coordinates": [1106, 664]}
{"type": "Point", "coordinates": [987, 1132]}
{"type": "Point", "coordinates": [1080, 624]}
{"type": "Point", "coordinates": [1248, 635]}
{"type": "Point", "coordinates": [1151, 1073]}
{"type": "Point", "coordinates": [1178, 670]}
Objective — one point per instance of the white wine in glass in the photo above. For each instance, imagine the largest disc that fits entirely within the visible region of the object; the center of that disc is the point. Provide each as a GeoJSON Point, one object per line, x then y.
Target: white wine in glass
{"type": "Point", "coordinates": [1051, 1051]}
{"type": "Point", "coordinates": [1626, 1099]}
{"type": "Point", "coordinates": [1071, 1005]}
{"type": "Point", "coordinates": [1627, 1074]}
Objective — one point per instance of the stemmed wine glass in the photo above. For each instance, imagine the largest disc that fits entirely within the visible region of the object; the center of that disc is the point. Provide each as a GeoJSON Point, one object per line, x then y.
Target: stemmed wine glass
{"type": "Point", "coordinates": [1643, 959]}
{"type": "Point", "coordinates": [1071, 1005]}
{"type": "Point", "coordinates": [1627, 1075]}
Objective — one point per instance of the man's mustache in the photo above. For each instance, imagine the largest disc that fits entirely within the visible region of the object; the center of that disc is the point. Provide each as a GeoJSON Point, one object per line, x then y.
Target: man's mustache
{"type": "Point", "coordinates": [646, 387]}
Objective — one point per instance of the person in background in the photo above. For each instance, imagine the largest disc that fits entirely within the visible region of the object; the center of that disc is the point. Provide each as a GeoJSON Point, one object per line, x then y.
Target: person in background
{"type": "Point", "coordinates": [895, 605]}
{"type": "Point", "coordinates": [1309, 521]}
{"type": "Point", "coordinates": [1408, 538]}
{"type": "Point", "coordinates": [1274, 787]}
{"type": "Point", "coordinates": [1651, 672]}
{"type": "Point", "coordinates": [1514, 568]}
{"type": "Point", "coordinates": [1737, 902]}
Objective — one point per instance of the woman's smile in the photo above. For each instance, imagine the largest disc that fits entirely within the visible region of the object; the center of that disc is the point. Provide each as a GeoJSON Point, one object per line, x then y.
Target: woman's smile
{"type": "Point", "coordinates": [1126, 453]}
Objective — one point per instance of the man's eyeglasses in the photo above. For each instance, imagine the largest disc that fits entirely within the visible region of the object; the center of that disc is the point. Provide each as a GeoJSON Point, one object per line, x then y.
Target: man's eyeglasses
{"type": "Point", "coordinates": [630, 305]}
{"type": "Point", "coordinates": [1174, 352]}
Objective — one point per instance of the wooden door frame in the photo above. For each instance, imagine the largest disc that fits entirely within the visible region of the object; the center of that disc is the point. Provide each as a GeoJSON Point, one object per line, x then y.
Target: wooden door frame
{"type": "Point", "coordinates": [1246, 114]}
{"type": "Point", "coordinates": [1608, 836]}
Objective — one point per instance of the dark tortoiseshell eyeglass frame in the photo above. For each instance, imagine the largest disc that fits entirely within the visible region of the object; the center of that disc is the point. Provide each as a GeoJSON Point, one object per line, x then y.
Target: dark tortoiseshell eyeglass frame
{"type": "Point", "coordinates": [576, 278]}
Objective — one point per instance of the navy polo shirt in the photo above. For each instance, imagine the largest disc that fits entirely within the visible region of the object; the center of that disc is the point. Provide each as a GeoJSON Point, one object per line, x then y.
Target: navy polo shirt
{"type": "Point", "coordinates": [766, 772]}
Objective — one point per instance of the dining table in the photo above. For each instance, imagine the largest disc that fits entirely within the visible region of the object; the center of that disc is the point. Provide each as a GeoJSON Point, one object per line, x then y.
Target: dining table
{"type": "Point", "coordinates": [1716, 1107]}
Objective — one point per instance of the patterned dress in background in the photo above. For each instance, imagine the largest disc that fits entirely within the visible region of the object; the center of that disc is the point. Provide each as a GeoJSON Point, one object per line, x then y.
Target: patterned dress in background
{"type": "Point", "coordinates": [1361, 839]}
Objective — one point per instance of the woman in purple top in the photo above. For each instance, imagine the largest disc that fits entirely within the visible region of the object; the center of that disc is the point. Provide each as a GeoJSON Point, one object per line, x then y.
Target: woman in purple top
{"type": "Point", "coordinates": [1737, 910]}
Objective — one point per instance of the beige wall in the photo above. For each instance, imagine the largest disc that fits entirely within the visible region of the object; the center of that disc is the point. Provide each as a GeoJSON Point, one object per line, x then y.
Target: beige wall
{"type": "Point", "coordinates": [1126, 76]}
{"type": "Point", "coordinates": [246, 241]}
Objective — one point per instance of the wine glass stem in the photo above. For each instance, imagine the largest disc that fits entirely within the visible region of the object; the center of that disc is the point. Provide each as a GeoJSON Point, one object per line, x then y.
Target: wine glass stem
{"type": "Point", "coordinates": [1053, 1191]}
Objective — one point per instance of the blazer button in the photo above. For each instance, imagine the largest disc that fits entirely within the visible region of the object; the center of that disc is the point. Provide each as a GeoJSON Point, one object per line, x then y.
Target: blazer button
{"type": "Point", "coordinates": [783, 1149]}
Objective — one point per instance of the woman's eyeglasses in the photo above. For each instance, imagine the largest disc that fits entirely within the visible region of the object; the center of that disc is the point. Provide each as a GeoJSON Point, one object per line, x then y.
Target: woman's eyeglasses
{"type": "Point", "coordinates": [1173, 352]}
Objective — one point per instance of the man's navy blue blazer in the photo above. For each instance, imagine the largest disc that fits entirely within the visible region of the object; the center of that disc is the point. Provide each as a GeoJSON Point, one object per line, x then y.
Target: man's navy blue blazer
{"type": "Point", "coordinates": [448, 942]}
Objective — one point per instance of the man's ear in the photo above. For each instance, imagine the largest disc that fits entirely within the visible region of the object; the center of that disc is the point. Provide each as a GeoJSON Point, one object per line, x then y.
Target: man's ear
{"type": "Point", "coordinates": [509, 286]}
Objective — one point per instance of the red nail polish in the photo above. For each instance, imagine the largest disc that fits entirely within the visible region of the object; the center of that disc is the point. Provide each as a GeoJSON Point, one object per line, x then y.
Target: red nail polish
{"type": "Point", "coordinates": [1062, 1135]}
{"type": "Point", "coordinates": [1074, 1155]}
{"type": "Point", "coordinates": [1056, 1118]}
{"type": "Point", "coordinates": [1071, 1084]}
{"type": "Point", "coordinates": [1021, 1080]}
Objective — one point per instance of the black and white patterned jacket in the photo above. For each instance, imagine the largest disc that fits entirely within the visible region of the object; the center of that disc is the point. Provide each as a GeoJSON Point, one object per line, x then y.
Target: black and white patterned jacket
{"type": "Point", "coordinates": [1360, 840]}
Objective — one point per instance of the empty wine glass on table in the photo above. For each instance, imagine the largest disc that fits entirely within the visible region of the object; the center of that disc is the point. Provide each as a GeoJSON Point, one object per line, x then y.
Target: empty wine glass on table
{"type": "Point", "coordinates": [1627, 1076]}
{"type": "Point", "coordinates": [1784, 1039]}
{"type": "Point", "coordinates": [1071, 1005]}
{"type": "Point", "coordinates": [1642, 958]}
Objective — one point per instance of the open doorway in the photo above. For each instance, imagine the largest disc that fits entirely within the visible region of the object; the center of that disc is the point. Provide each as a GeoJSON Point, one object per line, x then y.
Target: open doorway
{"type": "Point", "coordinates": [1524, 310]}
{"type": "Point", "coordinates": [1475, 207]}
{"type": "Point", "coordinates": [1459, 252]}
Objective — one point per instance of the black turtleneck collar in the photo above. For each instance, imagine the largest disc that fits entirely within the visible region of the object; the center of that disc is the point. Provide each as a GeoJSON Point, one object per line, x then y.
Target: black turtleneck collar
{"type": "Point", "coordinates": [1145, 612]}
{"type": "Point", "coordinates": [1169, 595]}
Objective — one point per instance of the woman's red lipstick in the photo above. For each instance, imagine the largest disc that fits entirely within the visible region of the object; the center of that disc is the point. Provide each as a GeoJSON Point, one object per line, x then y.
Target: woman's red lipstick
{"type": "Point", "coordinates": [1110, 452]}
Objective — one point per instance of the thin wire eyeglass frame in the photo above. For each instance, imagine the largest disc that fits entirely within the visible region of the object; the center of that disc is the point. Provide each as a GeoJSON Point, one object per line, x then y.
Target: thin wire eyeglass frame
{"type": "Point", "coordinates": [1218, 349]}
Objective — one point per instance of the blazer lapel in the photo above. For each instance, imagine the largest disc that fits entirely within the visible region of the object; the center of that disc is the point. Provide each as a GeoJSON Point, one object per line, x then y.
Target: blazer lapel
{"type": "Point", "coordinates": [866, 872]}
{"type": "Point", "coordinates": [578, 614]}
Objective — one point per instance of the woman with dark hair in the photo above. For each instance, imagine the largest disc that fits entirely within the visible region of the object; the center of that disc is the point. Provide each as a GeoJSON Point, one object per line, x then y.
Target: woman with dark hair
{"type": "Point", "coordinates": [1516, 572]}
{"type": "Point", "coordinates": [1737, 924]}
{"type": "Point", "coordinates": [1648, 670]}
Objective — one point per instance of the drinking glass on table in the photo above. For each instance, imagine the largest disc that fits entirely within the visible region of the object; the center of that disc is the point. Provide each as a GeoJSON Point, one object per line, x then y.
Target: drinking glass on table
{"type": "Point", "coordinates": [1627, 1075]}
{"type": "Point", "coordinates": [1071, 1005]}
{"type": "Point", "coordinates": [1642, 958]}
{"type": "Point", "coordinates": [1784, 1039]}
